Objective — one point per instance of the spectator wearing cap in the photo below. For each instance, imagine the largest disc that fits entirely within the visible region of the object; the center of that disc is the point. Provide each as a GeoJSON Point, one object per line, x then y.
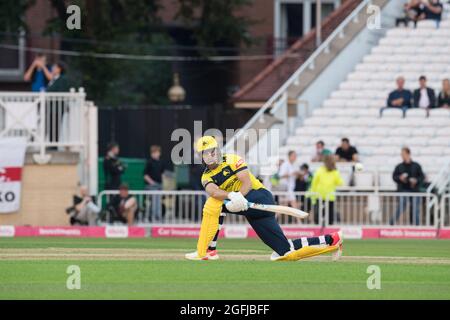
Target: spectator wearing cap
{"type": "Point", "coordinates": [400, 97]}
{"type": "Point", "coordinates": [444, 95]}
{"type": "Point", "coordinates": [321, 151]}
{"type": "Point", "coordinates": [424, 96]}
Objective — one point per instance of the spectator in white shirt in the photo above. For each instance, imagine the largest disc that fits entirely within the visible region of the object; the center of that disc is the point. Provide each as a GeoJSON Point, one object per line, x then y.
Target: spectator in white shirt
{"type": "Point", "coordinates": [288, 174]}
{"type": "Point", "coordinates": [424, 97]}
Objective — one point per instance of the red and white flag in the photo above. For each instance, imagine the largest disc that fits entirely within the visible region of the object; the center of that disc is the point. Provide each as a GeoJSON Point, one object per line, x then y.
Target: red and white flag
{"type": "Point", "coordinates": [12, 158]}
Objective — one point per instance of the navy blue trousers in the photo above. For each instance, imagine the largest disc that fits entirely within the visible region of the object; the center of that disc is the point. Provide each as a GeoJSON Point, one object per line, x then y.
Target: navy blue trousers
{"type": "Point", "coordinates": [264, 222]}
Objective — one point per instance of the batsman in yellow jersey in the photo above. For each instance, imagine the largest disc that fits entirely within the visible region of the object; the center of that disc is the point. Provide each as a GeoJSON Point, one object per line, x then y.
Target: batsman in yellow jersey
{"type": "Point", "coordinates": [227, 177]}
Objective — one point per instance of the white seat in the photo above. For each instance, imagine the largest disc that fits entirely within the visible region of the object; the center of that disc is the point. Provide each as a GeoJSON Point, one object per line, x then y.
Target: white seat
{"type": "Point", "coordinates": [392, 113]}
{"type": "Point", "coordinates": [440, 141]}
{"type": "Point", "coordinates": [418, 141]}
{"type": "Point", "coordinates": [386, 181]}
{"type": "Point", "coordinates": [431, 151]}
{"type": "Point", "coordinates": [363, 179]}
{"type": "Point", "coordinates": [416, 112]}
{"type": "Point", "coordinates": [440, 112]}
{"type": "Point", "coordinates": [425, 131]}
{"type": "Point", "coordinates": [400, 132]}
{"type": "Point", "coordinates": [387, 150]}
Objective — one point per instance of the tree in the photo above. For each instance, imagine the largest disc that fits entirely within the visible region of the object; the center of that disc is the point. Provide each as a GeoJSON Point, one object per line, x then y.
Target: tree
{"type": "Point", "coordinates": [216, 22]}
{"type": "Point", "coordinates": [115, 26]}
{"type": "Point", "coordinates": [12, 16]}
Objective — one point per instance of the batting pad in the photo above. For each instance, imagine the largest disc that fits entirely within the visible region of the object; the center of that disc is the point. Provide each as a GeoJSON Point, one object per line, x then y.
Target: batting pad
{"type": "Point", "coordinates": [210, 224]}
{"type": "Point", "coordinates": [307, 252]}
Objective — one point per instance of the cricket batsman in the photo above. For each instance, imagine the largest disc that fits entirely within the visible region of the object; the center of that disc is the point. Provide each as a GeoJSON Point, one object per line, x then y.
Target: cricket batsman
{"type": "Point", "coordinates": [230, 186]}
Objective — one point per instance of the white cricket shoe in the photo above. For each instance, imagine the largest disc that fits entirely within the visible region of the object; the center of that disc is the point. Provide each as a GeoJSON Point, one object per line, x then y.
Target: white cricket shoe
{"type": "Point", "coordinates": [210, 255]}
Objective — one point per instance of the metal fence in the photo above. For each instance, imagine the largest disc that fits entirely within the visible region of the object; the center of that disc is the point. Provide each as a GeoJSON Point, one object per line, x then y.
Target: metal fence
{"type": "Point", "coordinates": [445, 211]}
{"type": "Point", "coordinates": [184, 207]}
{"type": "Point", "coordinates": [348, 208]}
{"type": "Point", "coordinates": [382, 209]}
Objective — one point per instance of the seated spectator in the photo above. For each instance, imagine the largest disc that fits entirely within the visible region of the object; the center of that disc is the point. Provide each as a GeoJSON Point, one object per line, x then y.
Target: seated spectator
{"type": "Point", "coordinates": [346, 152]}
{"type": "Point", "coordinates": [83, 211]}
{"type": "Point", "coordinates": [424, 97]}
{"type": "Point", "coordinates": [320, 151]}
{"type": "Point", "coordinates": [433, 10]}
{"type": "Point", "coordinates": [409, 176]}
{"type": "Point", "coordinates": [38, 73]}
{"type": "Point", "coordinates": [124, 206]}
{"type": "Point", "coordinates": [400, 98]}
{"type": "Point", "coordinates": [444, 95]}
{"type": "Point", "coordinates": [414, 11]}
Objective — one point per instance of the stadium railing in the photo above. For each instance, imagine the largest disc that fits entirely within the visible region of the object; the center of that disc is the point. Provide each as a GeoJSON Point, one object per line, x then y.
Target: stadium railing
{"type": "Point", "coordinates": [185, 207]}
{"type": "Point", "coordinates": [445, 211]}
{"type": "Point", "coordinates": [383, 209]}
{"type": "Point", "coordinates": [64, 121]}
{"type": "Point", "coordinates": [350, 208]}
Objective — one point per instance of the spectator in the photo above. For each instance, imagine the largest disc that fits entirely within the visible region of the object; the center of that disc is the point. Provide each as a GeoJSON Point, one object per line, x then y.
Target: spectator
{"type": "Point", "coordinates": [38, 73]}
{"type": "Point", "coordinates": [324, 183]}
{"type": "Point", "coordinates": [58, 82]}
{"type": "Point", "coordinates": [124, 206]}
{"type": "Point", "coordinates": [444, 95]}
{"type": "Point", "coordinates": [414, 11]}
{"type": "Point", "coordinates": [303, 184]}
{"type": "Point", "coordinates": [84, 211]}
{"type": "Point", "coordinates": [320, 151]}
{"type": "Point", "coordinates": [112, 167]}
{"type": "Point", "coordinates": [424, 97]}
{"type": "Point", "coordinates": [153, 172]}
{"type": "Point", "coordinates": [288, 173]}
{"type": "Point", "coordinates": [409, 176]}
{"type": "Point", "coordinates": [400, 98]}
{"type": "Point", "coordinates": [304, 178]}
{"type": "Point", "coordinates": [346, 152]}
{"type": "Point", "coordinates": [433, 10]}
{"type": "Point", "coordinates": [275, 178]}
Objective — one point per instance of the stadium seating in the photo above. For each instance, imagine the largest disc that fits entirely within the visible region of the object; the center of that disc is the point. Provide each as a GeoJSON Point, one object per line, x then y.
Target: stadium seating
{"type": "Point", "coordinates": [353, 110]}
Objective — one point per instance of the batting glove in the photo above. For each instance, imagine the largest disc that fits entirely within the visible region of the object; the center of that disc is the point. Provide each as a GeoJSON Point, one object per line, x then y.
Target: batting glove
{"type": "Point", "coordinates": [237, 202]}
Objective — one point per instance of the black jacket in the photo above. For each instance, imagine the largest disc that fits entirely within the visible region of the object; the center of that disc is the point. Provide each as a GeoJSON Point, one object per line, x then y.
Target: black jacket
{"type": "Point", "coordinates": [113, 169]}
{"type": "Point", "coordinates": [414, 170]}
{"type": "Point", "coordinates": [431, 96]}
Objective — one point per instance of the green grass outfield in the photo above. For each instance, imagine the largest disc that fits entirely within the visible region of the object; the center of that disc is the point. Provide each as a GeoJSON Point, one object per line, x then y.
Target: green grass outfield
{"type": "Point", "coordinates": [35, 268]}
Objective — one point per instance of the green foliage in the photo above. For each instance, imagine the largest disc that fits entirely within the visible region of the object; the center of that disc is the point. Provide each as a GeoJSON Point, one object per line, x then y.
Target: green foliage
{"type": "Point", "coordinates": [12, 15]}
{"type": "Point", "coordinates": [216, 22]}
{"type": "Point", "coordinates": [116, 26]}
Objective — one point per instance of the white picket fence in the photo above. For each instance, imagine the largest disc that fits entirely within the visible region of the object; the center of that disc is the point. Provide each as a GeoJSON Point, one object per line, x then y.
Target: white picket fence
{"type": "Point", "coordinates": [64, 121]}
{"type": "Point", "coordinates": [350, 208]}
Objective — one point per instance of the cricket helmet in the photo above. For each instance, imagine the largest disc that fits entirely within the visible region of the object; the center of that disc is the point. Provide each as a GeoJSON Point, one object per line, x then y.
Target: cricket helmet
{"type": "Point", "coordinates": [205, 143]}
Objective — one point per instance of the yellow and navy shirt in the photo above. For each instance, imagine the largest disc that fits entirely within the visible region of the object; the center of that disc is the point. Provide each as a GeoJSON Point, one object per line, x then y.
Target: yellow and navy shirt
{"type": "Point", "coordinates": [224, 175]}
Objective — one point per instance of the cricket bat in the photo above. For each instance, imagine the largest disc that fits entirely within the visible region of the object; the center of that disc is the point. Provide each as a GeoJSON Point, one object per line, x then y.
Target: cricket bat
{"type": "Point", "coordinates": [278, 209]}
